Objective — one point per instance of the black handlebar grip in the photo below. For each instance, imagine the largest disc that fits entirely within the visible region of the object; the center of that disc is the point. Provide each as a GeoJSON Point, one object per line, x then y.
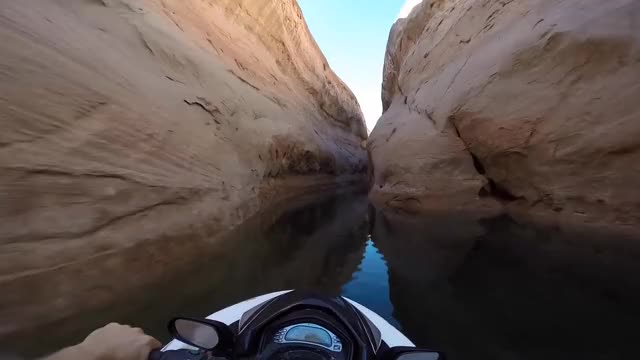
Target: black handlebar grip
{"type": "Point", "coordinates": [156, 355]}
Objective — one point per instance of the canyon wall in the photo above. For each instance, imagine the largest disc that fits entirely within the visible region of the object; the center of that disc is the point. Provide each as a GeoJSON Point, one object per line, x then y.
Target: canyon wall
{"type": "Point", "coordinates": [527, 105]}
{"type": "Point", "coordinates": [135, 131]}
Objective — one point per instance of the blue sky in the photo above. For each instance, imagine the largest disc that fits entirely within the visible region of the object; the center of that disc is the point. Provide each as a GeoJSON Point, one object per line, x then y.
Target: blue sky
{"type": "Point", "coordinates": [352, 34]}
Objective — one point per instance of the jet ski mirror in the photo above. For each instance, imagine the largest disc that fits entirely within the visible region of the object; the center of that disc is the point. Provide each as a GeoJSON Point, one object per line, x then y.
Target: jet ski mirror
{"type": "Point", "coordinates": [204, 334]}
{"type": "Point", "coordinates": [411, 353]}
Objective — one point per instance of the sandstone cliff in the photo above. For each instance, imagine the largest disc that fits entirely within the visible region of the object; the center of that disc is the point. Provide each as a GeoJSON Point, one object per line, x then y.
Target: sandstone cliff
{"type": "Point", "coordinates": [134, 129]}
{"type": "Point", "coordinates": [533, 104]}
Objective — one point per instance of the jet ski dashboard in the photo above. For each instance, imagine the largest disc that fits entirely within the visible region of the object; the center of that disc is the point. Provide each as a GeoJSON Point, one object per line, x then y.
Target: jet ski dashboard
{"type": "Point", "coordinates": [305, 335]}
{"type": "Point", "coordinates": [292, 326]}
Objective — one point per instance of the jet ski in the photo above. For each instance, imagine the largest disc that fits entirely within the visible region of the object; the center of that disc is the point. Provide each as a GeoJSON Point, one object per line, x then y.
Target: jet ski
{"type": "Point", "coordinates": [290, 325]}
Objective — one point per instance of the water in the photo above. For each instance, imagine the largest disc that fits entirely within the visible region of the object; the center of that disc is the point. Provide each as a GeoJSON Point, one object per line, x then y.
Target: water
{"type": "Point", "coordinates": [369, 285]}
{"type": "Point", "coordinates": [476, 289]}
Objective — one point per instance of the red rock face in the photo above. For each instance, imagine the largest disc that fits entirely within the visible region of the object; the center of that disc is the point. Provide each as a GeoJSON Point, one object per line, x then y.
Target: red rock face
{"type": "Point", "coordinates": [128, 125]}
{"type": "Point", "coordinates": [531, 103]}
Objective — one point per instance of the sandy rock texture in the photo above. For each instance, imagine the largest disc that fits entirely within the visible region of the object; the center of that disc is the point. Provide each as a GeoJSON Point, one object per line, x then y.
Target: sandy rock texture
{"type": "Point", "coordinates": [134, 129]}
{"type": "Point", "coordinates": [530, 104]}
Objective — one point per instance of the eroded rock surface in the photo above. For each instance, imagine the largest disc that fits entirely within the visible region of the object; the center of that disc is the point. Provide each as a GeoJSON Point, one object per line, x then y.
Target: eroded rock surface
{"type": "Point", "coordinates": [132, 129]}
{"type": "Point", "coordinates": [528, 103]}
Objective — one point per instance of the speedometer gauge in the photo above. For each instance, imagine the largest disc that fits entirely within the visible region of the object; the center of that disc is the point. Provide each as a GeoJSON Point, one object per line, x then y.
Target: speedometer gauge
{"type": "Point", "coordinates": [309, 333]}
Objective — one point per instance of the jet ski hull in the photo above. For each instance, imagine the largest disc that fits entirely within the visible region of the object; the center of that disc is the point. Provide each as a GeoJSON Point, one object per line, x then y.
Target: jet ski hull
{"type": "Point", "coordinates": [229, 315]}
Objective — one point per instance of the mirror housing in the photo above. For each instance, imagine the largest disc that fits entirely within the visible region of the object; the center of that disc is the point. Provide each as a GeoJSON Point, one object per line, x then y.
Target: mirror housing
{"type": "Point", "coordinates": [411, 353]}
{"type": "Point", "coordinates": [203, 334]}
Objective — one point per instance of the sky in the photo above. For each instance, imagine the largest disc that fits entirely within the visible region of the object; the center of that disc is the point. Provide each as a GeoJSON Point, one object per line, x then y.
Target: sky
{"type": "Point", "coordinates": [353, 34]}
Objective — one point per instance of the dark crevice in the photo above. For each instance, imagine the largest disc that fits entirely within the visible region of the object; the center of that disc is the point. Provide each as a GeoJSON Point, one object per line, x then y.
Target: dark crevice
{"type": "Point", "coordinates": [172, 79]}
{"type": "Point", "coordinates": [501, 193]}
{"type": "Point", "coordinates": [391, 134]}
{"type": "Point", "coordinates": [492, 188]}
{"type": "Point", "coordinates": [243, 79]}
{"type": "Point", "coordinates": [399, 89]}
{"type": "Point", "coordinates": [370, 170]}
{"type": "Point", "coordinates": [536, 24]}
{"type": "Point", "coordinates": [451, 120]}
{"type": "Point", "coordinates": [477, 164]}
{"type": "Point", "coordinates": [205, 105]}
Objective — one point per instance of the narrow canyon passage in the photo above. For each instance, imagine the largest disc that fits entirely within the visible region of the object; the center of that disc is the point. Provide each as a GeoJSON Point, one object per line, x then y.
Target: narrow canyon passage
{"type": "Point", "coordinates": [175, 157]}
{"type": "Point", "coordinates": [476, 288]}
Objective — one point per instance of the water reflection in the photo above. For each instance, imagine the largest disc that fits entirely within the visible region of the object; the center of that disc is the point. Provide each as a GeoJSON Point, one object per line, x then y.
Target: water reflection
{"type": "Point", "coordinates": [495, 289]}
{"type": "Point", "coordinates": [316, 245]}
{"type": "Point", "coordinates": [476, 289]}
{"type": "Point", "coordinates": [370, 284]}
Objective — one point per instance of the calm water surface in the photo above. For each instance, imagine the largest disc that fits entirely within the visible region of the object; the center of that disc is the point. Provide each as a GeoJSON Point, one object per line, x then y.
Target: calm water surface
{"type": "Point", "coordinates": [476, 289]}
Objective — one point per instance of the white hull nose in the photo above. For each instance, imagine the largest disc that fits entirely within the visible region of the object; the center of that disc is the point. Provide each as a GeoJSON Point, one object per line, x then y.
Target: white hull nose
{"type": "Point", "coordinates": [390, 335]}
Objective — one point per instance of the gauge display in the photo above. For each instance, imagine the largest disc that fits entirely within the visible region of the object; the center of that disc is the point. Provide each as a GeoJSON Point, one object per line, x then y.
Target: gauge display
{"type": "Point", "coordinates": [309, 334]}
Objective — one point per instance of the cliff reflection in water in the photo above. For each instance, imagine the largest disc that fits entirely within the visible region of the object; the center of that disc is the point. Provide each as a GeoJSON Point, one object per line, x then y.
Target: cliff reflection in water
{"type": "Point", "coordinates": [494, 289]}
{"type": "Point", "coordinates": [476, 289]}
{"type": "Point", "coordinates": [315, 245]}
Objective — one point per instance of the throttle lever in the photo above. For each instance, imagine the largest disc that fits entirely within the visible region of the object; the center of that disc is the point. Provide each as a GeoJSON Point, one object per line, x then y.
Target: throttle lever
{"type": "Point", "coordinates": [182, 354]}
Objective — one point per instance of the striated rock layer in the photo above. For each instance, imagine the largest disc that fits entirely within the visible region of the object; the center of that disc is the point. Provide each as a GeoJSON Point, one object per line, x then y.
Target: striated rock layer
{"type": "Point", "coordinates": [134, 129]}
{"type": "Point", "coordinates": [533, 104]}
